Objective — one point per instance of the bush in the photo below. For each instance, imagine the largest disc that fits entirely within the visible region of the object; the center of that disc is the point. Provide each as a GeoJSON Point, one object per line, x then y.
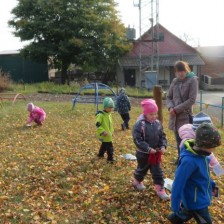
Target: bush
{"type": "Point", "coordinates": [5, 81]}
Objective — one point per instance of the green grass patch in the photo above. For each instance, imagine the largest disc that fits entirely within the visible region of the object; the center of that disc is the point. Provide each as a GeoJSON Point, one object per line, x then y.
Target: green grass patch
{"type": "Point", "coordinates": [73, 88]}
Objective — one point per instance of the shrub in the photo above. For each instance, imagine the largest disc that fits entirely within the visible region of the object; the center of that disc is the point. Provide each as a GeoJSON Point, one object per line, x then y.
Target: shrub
{"type": "Point", "coordinates": [5, 81]}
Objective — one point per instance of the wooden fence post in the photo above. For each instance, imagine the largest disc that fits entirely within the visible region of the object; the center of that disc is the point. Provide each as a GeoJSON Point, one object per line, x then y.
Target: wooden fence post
{"type": "Point", "coordinates": [158, 97]}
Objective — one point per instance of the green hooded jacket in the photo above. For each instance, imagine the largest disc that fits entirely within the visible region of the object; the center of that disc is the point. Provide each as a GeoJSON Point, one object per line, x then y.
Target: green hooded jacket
{"type": "Point", "coordinates": [104, 124]}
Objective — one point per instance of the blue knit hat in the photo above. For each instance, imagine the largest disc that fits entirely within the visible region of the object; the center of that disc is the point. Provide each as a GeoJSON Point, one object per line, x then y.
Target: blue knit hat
{"type": "Point", "coordinates": [201, 118]}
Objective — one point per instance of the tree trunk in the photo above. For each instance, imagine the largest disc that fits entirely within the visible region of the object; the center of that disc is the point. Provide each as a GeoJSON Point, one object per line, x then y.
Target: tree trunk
{"type": "Point", "coordinates": [64, 76]}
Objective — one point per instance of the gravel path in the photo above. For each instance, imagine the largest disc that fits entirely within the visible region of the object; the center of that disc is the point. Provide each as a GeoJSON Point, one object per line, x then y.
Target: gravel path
{"type": "Point", "coordinates": [50, 97]}
{"type": "Point", "coordinates": [66, 98]}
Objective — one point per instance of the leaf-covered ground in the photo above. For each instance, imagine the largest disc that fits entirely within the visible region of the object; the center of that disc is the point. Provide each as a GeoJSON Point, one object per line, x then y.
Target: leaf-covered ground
{"type": "Point", "coordinates": [51, 174]}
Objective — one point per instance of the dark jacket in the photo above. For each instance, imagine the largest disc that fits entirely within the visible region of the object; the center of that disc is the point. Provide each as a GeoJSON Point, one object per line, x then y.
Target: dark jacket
{"type": "Point", "coordinates": [189, 89]}
{"type": "Point", "coordinates": [123, 105]}
{"type": "Point", "coordinates": [148, 135]}
{"type": "Point", "coordinates": [192, 184]}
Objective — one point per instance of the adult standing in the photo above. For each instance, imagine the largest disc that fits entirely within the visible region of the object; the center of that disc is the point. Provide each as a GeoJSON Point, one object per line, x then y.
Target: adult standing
{"type": "Point", "coordinates": [123, 107]}
{"type": "Point", "coordinates": [181, 97]}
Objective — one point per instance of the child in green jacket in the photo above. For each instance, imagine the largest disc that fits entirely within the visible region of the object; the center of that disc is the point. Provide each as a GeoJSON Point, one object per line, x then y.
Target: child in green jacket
{"type": "Point", "coordinates": [105, 129]}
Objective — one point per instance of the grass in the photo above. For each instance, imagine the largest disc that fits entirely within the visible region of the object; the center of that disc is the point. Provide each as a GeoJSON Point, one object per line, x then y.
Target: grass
{"type": "Point", "coordinates": [50, 174]}
{"type": "Point", "coordinates": [74, 87]}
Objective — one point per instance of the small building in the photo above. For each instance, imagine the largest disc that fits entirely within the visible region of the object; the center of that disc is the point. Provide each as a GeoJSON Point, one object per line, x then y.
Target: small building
{"type": "Point", "coordinates": [212, 73]}
{"type": "Point", "coordinates": [151, 59]}
{"type": "Point", "coordinates": [21, 69]}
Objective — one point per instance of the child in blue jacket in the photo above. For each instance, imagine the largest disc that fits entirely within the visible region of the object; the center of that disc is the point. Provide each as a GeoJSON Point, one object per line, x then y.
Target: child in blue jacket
{"type": "Point", "coordinates": [192, 188]}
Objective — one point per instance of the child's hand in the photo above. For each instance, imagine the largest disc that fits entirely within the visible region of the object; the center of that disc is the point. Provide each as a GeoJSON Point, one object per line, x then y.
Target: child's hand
{"type": "Point", "coordinates": [162, 150]}
{"type": "Point", "coordinates": [152, 151]}
{"type": "Point", "coordinates": [104, 133]}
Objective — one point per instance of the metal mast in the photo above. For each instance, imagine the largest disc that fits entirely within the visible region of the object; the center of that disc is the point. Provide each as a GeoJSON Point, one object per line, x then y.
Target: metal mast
{"type": "Point", "coordinates": [149, 19]}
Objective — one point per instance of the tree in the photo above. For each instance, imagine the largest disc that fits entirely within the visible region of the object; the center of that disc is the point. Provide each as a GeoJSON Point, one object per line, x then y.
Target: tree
{"type": "Point", "coordinates": [87, 33]}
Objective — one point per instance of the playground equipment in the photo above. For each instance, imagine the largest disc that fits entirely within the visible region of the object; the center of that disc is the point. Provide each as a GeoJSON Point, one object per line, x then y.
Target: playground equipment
{"type": "Point", "coordinates": [96, 99]}
{"type": "Point", "coordinates": [12, 96]}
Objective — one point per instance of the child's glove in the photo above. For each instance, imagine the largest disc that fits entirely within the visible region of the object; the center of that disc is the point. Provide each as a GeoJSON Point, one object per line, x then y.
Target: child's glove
{"type": "Point", "coordinates": [162, 150]}
{"type": "Point", "coordinates": [152, 151]}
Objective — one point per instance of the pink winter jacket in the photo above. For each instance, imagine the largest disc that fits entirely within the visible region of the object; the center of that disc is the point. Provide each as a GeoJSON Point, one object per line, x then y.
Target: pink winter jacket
{"type": "Point", "coordinates": [38, 114]}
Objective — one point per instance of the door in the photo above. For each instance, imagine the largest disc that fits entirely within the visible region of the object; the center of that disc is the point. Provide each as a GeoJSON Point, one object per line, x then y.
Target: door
{"type": "Point", "coordinates": [129, 77]}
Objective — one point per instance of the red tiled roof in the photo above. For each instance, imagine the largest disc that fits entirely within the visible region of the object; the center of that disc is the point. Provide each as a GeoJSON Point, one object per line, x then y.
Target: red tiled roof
{"type": "Point", "coordinates": [171, 44]}
{"type": "Point", "coordinates": [170, 50]}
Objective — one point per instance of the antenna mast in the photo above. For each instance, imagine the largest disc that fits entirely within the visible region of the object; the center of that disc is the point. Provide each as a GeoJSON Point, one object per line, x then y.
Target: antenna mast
{"type": "Point", "coordinates": [149, 19]}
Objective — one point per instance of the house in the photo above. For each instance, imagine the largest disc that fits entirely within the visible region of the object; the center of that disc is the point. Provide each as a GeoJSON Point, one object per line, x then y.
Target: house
{"type": "Point", "coordinates": [214, 60]}
{"type": "Point", "coordinates": [152, 58]}
{"type": "Point", "coordinates": [212, 73]}
{"type": "Point", "coordinates": [21, 69]}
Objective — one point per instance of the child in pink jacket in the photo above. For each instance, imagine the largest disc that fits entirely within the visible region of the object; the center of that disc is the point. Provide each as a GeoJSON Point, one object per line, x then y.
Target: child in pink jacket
{"type": "Point", "coordinates": [37, 114]}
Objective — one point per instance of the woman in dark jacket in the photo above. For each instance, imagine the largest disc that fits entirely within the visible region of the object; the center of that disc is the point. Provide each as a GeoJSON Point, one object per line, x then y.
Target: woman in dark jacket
{"type": "Point", "coordinates": [181, 97]}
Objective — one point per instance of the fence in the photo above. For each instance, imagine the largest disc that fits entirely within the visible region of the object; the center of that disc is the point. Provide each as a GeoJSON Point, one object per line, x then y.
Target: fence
{"type": "Point", "coordinates": [212, 103]}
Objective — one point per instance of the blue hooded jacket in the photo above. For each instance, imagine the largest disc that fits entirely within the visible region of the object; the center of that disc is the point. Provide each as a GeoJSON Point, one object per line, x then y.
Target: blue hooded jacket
{"type": "Point", "coordinates": [192, 183]}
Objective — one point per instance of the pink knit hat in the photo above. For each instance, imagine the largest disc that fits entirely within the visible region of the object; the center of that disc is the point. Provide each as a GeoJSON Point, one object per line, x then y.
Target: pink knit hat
{"type": "Point", "coordinates": [186, 131]}
{"type": "Point", "coordinates": [149, 106]}
{"type": "Point", "coordinates": [30, 107]}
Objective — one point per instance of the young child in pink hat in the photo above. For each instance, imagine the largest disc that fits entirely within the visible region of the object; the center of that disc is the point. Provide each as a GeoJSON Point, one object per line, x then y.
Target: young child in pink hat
{"type": "Point", "coordinates": [150, 140]}
{"type": "Point", "coordinates": [37, 114]}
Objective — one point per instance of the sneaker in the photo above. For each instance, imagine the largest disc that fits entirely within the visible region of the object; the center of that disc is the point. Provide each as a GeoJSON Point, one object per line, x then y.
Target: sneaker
{"type": "Point", "coordinates": [174, 219]}
{"type": "Point", "coordinates": [138, 185]}
{"type": "Point", "coordinates": [160, 191]}
{"type": "Point", "coordinates": [123, 127]}
{"type": "Point", "coordinates": [100, 156]}
{"type": "Point", "coordinates": [111, 161]}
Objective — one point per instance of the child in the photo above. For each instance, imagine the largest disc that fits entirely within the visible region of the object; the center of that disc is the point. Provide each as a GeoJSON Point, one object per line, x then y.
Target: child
{"type": "Point", "coordinates": [37, 114]}
{"type": "Point", "coordinates": [123, 107]}
{"type": "Point", "coordinates": [192, 192]}
{"type": "Point", "coordinates": [151, 142]}
{"type": "Point", "coordinates": [201, 118]}
{"type": "Point", "coordinates": [105, 129]}
{"type": "Point", "coordinates": [187, 131]}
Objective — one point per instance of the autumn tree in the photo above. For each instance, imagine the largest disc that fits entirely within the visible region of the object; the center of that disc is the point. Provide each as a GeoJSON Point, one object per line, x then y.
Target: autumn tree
{"type": "Point", "coordinates": [87, 33]}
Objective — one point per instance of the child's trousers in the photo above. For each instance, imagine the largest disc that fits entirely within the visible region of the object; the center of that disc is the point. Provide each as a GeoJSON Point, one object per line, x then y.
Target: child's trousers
{"type": "Point", "coordinates": [201, 216]}
{"type": "Point", "coordinates": [107, 147]}
{"type": "Point", "coordinates": [126, 118]}
{"type": "Point", "coordinates": [143, 167]}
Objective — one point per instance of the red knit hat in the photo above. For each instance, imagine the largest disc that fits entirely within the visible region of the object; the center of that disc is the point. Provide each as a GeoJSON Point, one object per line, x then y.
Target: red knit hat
{"type": "Point", "coordinates": [149, 106]}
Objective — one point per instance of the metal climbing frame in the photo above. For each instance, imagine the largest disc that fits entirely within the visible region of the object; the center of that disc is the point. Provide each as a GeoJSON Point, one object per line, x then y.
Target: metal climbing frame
{"type": "Point", "coordinates": [12, 96]}
{"type": "Point", "coordinates": [95, 86]}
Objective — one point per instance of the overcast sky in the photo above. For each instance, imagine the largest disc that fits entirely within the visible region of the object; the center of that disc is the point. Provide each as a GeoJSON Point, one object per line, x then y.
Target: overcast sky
{"type": "Point", "coordinates": [201, 20]}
